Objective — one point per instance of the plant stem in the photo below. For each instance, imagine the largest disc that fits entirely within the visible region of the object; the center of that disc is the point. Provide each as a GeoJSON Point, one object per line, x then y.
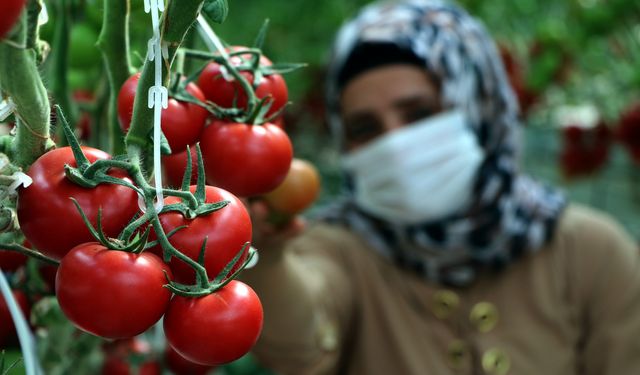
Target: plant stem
{"type": "Point", "coordinates": [60, 59]}
{"type": "Point", "coordinates": [20, 79]}
{"type": "Point", "coordinates": [178, 17]}
{"type": "Point", "coordinates": [114, 44]}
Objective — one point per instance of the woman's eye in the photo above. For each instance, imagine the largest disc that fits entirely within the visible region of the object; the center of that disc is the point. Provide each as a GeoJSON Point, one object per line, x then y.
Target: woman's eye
{"type": "Point", "coordinates": [359, 132]}
{"type": "Point", "coordinates": [417, 114]}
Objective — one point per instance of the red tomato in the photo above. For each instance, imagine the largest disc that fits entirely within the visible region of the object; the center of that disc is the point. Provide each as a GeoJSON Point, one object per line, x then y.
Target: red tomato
{"type": "Point", "coordinates": [182, 366]}
{"type": "Point", "coordinates": [118, 353]}
{"type": "Point", "coordinates": [174, 166]}
{"type": "Point", "coordinates": [10, 10]}
{"type": "Point", "coordinates": [298, 191]}
{"type": "Point", "coordinates": [182, 122]}
{"type": "Point", "coordinates": [49, 219]}
{"type": "Point", "coordinates": [7, 328]}
{"type": "Point", "coordinates": [223, 89]}
{"type": "Point", "coordinates": [245, 159]}
{"type": "Point", "coordinates": [217, 328]}
{"type": "Point", "coordinates": [10, 261]}
{"type": "Point", "coordinates": [227, 230]}
{"type": "Point", "coordinates": [110, 293]}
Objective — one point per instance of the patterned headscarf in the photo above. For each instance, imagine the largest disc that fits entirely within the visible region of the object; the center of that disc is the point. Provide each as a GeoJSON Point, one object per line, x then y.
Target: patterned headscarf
{"type": "Point", "coordinates": [511, 214]}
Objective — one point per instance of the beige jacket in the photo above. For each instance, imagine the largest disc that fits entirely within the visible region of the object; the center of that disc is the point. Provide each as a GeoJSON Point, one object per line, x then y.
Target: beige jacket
{"type": "Point", "coordinates": [333, 306]}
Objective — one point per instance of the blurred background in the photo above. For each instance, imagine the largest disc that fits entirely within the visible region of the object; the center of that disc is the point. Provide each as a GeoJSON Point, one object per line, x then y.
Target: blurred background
{"type": "Point", "coordinates": [574, 64]}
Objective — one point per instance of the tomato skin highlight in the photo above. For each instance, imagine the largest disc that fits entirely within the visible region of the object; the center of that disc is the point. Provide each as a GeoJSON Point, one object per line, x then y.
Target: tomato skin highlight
{"type": "Point", "coordinates": [110, 293]}
{"type": "Point", "coordinates": [49, 219]}
{"type": "Point", "coordinates": [181, 122]}
{"type": "Point", "coordinates": [10, 10]}
{"type": "Point", "coordinates": [247, 160]}
{"type": "Point", "coordinates": [227, 230]}
{"type": "Point", "coordinates": [217, 328]}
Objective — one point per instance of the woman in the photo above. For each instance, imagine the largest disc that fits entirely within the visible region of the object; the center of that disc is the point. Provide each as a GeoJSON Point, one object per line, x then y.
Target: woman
{"type": "Point", "coordinates": [443, 259]}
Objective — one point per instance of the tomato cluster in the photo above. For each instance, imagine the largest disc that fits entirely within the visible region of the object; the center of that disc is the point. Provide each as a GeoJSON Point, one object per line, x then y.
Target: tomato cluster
{"type": "Point", "coordinates": [244, 158]}
{"type": "Point", "coordinates": [119, 294]}
{"type": "Point", "coordinates": [123, 267]}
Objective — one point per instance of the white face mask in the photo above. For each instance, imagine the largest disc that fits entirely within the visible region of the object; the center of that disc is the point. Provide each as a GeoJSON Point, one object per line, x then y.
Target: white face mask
{"type": "Point", "coordinates": [421, 172]}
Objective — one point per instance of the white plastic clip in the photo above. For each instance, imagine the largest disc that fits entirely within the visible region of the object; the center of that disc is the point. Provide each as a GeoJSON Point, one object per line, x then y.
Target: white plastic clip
{"type": "Point", "coordinates": [19, 179]}
{"type": "Point", "coordinates": [158, 95]}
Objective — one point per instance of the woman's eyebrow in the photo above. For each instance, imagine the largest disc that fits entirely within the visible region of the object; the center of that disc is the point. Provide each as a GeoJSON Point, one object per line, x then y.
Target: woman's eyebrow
{"type": "Point", "coordinates": [416, 100]}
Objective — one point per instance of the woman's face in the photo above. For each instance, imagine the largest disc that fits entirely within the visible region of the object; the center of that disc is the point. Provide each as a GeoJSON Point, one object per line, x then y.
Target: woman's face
{"type": "Point", "coordinates": [386, 98]}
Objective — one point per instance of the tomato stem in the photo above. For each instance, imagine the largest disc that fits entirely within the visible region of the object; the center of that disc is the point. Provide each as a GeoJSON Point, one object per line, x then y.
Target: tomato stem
{"type": "Point", "coordinates": [113, 42]}
{"type": "Point", "coordinates": [60, 56]}
{"type": "Point", "coordinates": [29, 252]}
{"type": "Point", "coordinates": [20, 80]}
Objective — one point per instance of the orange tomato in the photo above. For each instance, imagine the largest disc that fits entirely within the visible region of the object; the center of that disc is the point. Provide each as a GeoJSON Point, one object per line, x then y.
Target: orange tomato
{"type": "Point", "coordinates": [298, 191]}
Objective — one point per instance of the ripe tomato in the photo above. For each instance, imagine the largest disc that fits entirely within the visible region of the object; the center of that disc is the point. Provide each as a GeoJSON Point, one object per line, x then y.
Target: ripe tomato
{"type": "Point", "coordinates": [111, 293]}
{"type": "Point", "coordinates": [227, 230]}
{"type": "Point", "coordinates": [10, 10]}
{"type": "Point", "coordinates": [182, 122]}
{"type": "Point", "coordinates": [49, 219]}
{"type": "Point", "coordinates": [298, 190]}
{"type": "Point", "coordinates": [174, 166]}
{"type": "Point", "coordinates": [223, 89]}
{"type": "Point", "coordinates": [247, 160]}
{"type": "Point", "coordinates": [118, 353]}
{"type": "Point", "coordinates": [182, 366]}
{"type": "Point", "coordinates": [217, 328]}
{"type": "Point", "coordinates": [7, 328]}
{"type": "Point", "coordinates": [10, 261]}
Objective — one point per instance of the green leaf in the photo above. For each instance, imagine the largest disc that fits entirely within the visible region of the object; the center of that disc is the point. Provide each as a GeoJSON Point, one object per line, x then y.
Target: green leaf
{"type": "Point", "coordinates": [216, 10]}
{"type": "Point", "coordinates": [261, 35]}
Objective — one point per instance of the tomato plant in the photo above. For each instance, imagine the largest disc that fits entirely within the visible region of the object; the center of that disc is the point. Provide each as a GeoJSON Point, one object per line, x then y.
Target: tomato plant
{"type": "Point", "coordinates": [298, 191]}
{"type": "Point", "coordinates": [48, 217]}
{"type": "Point", "coordinates": [227, 230]}
{"type": "Point", "coordinates": [219, 87]}
{"type": "Point", "coordinates": [7, 328]}
{"type": "Point", "coordinates": [247, 160]}
{"type": "Point", "coordinates": [182, 366]}
{"type": "Point", "coordinates": [182, 122]}
{"type": "Point", "coordinates": [111, 293]}
{"type": "Point", "coordinates": [10, 10]}
{"type": "Point", "coordinates": [217, 328]}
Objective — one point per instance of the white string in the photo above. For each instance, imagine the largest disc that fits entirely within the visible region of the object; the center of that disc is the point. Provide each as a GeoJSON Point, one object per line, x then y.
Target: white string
{"type": "Point", "coordinates": [27, 342]}
{"type": "Point", "coordinates": [158, 97]}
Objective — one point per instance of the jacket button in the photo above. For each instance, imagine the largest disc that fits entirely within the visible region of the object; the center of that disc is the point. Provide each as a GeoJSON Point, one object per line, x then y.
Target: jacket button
{"type": "Point", "coordinates": [444, 303]}
{"type": "Point", "coordinates": [458, 354]}
{"type": "Point", "coordinates": [496, 362]}
{"type": "Point", "coordinates": [484, 316]}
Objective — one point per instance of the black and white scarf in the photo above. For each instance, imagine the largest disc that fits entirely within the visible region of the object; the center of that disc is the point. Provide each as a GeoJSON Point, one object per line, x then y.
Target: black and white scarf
{"type": "Point", "coordinates": [511, 214]}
